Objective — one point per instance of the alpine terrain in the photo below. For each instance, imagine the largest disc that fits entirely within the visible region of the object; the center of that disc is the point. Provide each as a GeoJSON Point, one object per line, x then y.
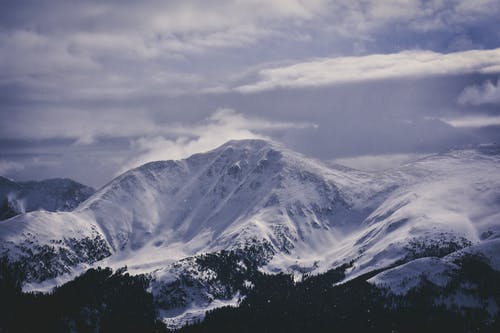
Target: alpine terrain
{"type": "Point", "coordinates": [51, 194]}
{"type": "Point", "coordinates": [222, 227]}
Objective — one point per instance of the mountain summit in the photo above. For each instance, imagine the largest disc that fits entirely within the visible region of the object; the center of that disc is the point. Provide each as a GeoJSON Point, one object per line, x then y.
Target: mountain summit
{"type": "Point", "coordinates": [243, 191]}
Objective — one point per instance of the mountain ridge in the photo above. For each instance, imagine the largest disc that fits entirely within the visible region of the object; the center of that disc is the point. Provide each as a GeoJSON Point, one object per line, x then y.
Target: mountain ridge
{"type": "Point", "coordinates": [291, 213]}
{"type": "Point", "coordinates": [56, 194]}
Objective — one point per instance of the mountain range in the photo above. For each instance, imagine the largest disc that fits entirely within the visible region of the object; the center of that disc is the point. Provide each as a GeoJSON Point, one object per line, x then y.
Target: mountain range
{"type": "Point", "coordinates": [263, 208]}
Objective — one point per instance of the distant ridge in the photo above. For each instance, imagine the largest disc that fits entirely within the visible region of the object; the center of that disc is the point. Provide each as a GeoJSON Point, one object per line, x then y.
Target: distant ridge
{"type": "Point", "coordinates": [59, 194]}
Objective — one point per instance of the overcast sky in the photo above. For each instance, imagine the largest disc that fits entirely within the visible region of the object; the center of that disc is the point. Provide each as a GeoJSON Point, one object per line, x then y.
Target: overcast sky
{"type": "Point", "coordinates": [91, 88]}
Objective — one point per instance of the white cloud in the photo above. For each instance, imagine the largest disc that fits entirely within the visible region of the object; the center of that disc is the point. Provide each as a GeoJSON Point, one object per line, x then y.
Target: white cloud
{"type": "Point", "coordinates": [9, 166]}
{"type": "Point", "coordinates": [27, 53]}
{"type": "Point", "coordinates": [473, 121]}
{"type": "Point", "coordinates": [487, 93]}
{"type": "Point", "coordinates": [327, 71]}
{"type": "Point", "coordinates": [85, 126]}
{"type": "Point", "coordinates": [159, 28]}
{"type": "Point", "coordinates": [96, 49]}
{"type": "Point", "coordinates": [377, 162]}
{"type": "Point", "coordinates": [220, 127]}
{"type": "Point", "coordinates": [360, 19]}
{"type": "Point", "coordinates": [189, 16]}
{"type": "Point", "coordinates": [103, 50]}
{"type": "Point", "coordinates": [89, 65]}
{"type": "Point", "coordinates": [174, 17]}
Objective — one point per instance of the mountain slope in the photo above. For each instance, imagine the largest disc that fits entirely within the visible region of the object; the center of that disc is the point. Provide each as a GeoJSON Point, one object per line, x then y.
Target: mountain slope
{"type": "Point", "coordinates": [275, 210]}
{"type": "Point", "coordinates": [236, 193]}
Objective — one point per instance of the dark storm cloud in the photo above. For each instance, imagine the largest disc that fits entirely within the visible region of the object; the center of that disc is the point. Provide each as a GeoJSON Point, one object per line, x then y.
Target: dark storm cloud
{"type": "Point", "coordinates": [112, 84]}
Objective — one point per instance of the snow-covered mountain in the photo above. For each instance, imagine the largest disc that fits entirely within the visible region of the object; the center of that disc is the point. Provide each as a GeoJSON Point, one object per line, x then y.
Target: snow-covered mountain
{"type": "Point", "coordinates": [51, 195]}
{"type": "Point", "coordinates": [274, 209]}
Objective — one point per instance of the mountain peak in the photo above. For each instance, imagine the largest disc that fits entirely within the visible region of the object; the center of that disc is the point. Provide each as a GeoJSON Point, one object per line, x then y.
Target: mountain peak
{"type": "Point", "coordinates": [237, 149]}
{"type": "Point", "coordinates": [211, 199]}
{"type": "Point", "coordinates": [233, 150]}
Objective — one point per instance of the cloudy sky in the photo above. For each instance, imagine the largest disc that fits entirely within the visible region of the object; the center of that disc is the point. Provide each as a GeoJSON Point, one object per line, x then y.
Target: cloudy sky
{"type": "Point", "coordinates": [91, 88]}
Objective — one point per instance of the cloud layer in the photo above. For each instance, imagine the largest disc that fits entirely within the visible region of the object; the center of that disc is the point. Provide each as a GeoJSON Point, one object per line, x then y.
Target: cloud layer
{"type": "Point", "coordinates": [407, 64]}
{"type": "Point", "coordinates": [474, 121]}
{"type": "Point", "coordinates": [88, 88]}
{"type": "Point", "coordinates": [111, 49]}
